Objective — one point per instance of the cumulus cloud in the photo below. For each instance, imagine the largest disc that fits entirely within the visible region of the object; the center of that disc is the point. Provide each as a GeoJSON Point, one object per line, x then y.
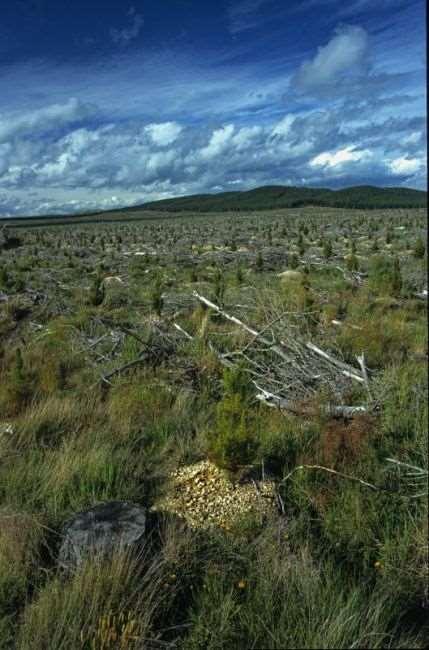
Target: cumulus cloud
{"type": "Point", "coordinates": [164, 134]}
{"type": "Point", "coordinates": [44, 119]}
{"type": "Point", "coordinates": [218, 142]}
{"type": "Point", "coordinates": [343, 54]}
{"type": "Point", "coordinates": [131, 31]}
{"type": "Point", "coordinates": [246, 137]}
{"type": "Point", "coordinates": [284, 127]}
{"type": "Point", "coordinates": [404, 166]}
{"type": "Point", "coordinates": [339, 158]}
{"type": "Point", "coordinates": [71, 148]}
{"type": "Point", "coordinates": [83, 167]}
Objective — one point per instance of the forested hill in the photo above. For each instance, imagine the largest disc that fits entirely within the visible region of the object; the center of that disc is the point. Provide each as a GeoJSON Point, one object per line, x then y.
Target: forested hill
{"type": "Point", "coordinates": [269, 197]}
{"type": "Point", "coordinates": [264, 198]}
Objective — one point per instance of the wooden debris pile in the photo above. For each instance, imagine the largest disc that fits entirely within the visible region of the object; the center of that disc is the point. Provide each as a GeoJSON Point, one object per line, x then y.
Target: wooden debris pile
{"type": "Point", "coordinates": [103, 345]}
{"type": "Point", "coordinates": [288, 371]}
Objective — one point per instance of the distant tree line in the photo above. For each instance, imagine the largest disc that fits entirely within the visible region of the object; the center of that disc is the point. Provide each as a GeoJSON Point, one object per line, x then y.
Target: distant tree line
{"type": "Point", "coordinates": [267, 198]}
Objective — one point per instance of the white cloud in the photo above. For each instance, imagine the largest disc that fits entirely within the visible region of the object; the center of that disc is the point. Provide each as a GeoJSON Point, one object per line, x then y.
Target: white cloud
{"type": "Point", "coordinates": [161, 160]}
{"type": "Point", "coordinates": [71, 149]}
{"type": "Point", "coordinates": [283, 128]}
{"type": "Point", "coordinates": [340, 157]}
{"type": "Point", "coordinates": [404, 166]}
{"type": "Point", "coordinates": [346, 50]}
{"type": "Point", "coordinates": [135, 162]}
{"type": "Point", "coordinates": [412, 138]}
{"type": "Point", "coordinates": [165, 133]}
{"type": "Point", "coordinates": [246, 136]}
{"type": "Point", "coordinates": [218, 142]}
{"type": "Point", "coordinates": [43, 119]}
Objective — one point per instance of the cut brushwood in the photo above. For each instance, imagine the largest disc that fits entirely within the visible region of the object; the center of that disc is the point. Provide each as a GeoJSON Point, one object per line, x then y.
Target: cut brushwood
{"type": "Point", "coordinates": [287, 373]}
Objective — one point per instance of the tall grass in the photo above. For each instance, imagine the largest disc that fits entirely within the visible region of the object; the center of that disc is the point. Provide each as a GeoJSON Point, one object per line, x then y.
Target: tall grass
{"type": "Point", "coordinates": [345, 568]}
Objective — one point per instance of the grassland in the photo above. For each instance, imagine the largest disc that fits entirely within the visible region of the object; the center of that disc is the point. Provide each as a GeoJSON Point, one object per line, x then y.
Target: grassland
{"type": "Point", "coordinates": [102, 397]}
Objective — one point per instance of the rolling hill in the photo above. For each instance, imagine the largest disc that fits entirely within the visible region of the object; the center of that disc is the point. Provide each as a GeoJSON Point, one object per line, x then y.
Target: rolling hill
{"type": "Point", "coordinates": [269, 197]}
{"type": "Point", "coordinates": [265, 198]}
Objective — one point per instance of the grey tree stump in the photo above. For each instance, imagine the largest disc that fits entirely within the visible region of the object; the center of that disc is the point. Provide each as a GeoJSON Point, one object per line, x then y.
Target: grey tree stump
{"type": "Point", "coordinates": [108, 527]}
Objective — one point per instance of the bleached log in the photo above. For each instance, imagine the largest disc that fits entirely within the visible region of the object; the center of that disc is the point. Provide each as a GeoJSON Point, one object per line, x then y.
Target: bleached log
{"type": "Point", "coordinates": [302, 369]}
{"type": "Point", "coordinates": [257, 335]}
{"type": "Point", "coordinates": [182, 331]}
{"type": "Point", "coordinates": [270, 399]}
{"type": "Point", "coordinates": [361, 361]}
{"type": "Point", "coordinates": [340, 323]}
{"type": "Point", "coordinates": [346, 370]}
{"type": "Point", "coordinates": [233, 319]}
{"type": "Point", "coordinates": [346, 411]}
{"type": "Point", "coordinates": [423, 295]}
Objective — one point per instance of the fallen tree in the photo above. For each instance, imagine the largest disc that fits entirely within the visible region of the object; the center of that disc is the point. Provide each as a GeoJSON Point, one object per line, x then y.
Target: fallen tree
{"type": "Point", "coordinates": [289, 373]}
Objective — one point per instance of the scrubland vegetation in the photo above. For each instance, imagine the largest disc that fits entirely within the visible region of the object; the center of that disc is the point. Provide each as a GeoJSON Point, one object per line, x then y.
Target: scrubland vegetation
{"type": "Point", "coordinates": [113, 374]}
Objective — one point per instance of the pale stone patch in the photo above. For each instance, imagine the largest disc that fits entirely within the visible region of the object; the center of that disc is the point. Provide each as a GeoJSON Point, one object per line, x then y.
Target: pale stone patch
{"type": "Point", "coordinates": [205, 496]}
{"type": "Point", "coordinates": [290, 275]}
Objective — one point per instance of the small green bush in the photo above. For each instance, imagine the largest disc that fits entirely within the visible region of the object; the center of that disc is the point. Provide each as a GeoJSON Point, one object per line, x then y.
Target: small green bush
{"type": "Point", "coordinates": [156, 296]}
{"type": "Point", "coordinates": [385, 275]}
{"type": "Point", "coordinates": [97, 291]}
{"type": "Point", "coordinates": [16, 389]}
{"type": "Point", "coordinates": [419, 249]}
{"type": "Point", "coordinates": [233, 443]}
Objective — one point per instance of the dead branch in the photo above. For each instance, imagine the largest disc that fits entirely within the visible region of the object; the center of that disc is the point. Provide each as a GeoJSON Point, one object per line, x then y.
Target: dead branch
{"type": "Point", "coordinates": [270, 399]}
{"type": "Point", "coordinates": [330, 471]}
{"type": "Point", "coordinates": [287, 373]}
{"type": "Point", "coordinates": [361, 361]}
{"type": "Point", "coordinates": [345, 369]}
{"type": "Point", "coordinates": [257, 335]}
{"type": "Point", "coordinates": [182, 331]}
{"type": "Point", "coordinates": [127, 366]}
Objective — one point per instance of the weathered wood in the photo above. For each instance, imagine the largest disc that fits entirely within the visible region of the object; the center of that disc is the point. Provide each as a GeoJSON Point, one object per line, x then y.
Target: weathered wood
{"type": "Point", "coordinates": [361, 361]}
{"type": "Point", "coordinates": [346, 370]}
{"type": "Point", "coordinates": [127, 366]}
{"type": "Point", "coordinates": [331, 471]}
{"type": "Point", "coordinates": [340, 411]}
{"type": "Point", "coordinates": [182, 331]}
{"type": "Point", "coordinates": [257, 335]}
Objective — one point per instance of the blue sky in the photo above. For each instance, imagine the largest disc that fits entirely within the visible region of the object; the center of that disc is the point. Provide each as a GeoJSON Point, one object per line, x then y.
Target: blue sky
{"type": "Point", "coordinates": [104, 104]}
